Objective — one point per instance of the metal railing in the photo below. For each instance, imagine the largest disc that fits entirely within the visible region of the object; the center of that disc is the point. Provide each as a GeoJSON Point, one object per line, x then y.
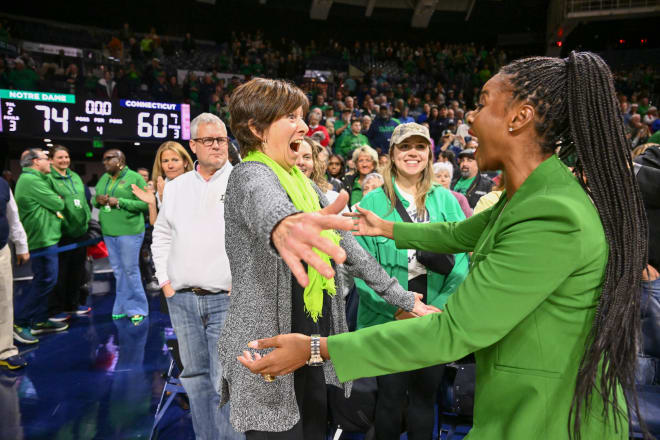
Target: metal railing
{"type": "Point", "coordinates": [582, 6]}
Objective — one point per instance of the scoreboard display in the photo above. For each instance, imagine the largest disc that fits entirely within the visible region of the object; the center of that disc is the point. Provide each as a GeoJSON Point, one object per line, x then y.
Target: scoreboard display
{"type": "Point", "coordinates": [58, 115]}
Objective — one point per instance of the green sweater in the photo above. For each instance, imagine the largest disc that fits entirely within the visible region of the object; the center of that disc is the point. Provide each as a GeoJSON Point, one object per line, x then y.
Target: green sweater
{"type": "Point", "coordinates": [76, 210]}
{"type": "Point", "coordinates": [39, 208]}
{"type": "Point", "coordinates": [348, 142]}
{"type": "Point", "coordinates": [128, 218]}
{"type": "Point", "coordinates": [441, 206]}
{"type": "Point", "coordinates": [525, 309]}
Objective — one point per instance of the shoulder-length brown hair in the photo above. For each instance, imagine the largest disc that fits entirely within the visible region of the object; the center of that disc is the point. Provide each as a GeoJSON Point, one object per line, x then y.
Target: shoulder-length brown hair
{"type": "Point", "coordinates": [178, 149]}
{"type": "Point", "coordinates": [318, 172]}
{"type": "Point", "coordinates": [424, 184]}
{"type": "Point", "coordinates": [259, 103]}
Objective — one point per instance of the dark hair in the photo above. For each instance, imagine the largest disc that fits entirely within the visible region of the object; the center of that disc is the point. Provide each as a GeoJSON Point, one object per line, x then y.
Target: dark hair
{"type": "Point", "coordinates": [259, 103]}
{"type": "Point", "coordinates": [342, 170]}
{"type": "Point", "coordinates": [560, 90]}
{"type": "Point", "coordinates": [57, 148]}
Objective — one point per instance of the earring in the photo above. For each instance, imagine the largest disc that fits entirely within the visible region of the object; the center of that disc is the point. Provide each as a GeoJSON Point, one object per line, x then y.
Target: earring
{"type": "Point", "coordinates": [510, 129]}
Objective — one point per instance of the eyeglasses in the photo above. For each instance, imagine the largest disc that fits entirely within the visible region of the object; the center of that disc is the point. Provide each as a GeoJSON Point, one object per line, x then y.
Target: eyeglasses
{"type": "Point", "coordinates": [418, 147]}
{"type": "Point", "coordinates": [208, 141]}
{"type": "Point", "coordinates": [109, 158]}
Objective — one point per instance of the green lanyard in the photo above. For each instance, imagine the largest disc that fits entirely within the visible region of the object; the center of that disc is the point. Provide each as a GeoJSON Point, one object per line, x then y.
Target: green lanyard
{"type": "Point", "coordinates": [122, 174]}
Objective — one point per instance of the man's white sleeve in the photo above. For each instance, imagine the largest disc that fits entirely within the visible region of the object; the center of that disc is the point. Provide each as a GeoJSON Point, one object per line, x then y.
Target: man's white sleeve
{"type": "Point", "coordinates": [16, 232]}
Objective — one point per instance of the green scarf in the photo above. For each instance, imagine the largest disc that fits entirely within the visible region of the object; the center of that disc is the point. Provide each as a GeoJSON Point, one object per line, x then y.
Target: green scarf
{"type": "Point", "coordinates": [304, 198]}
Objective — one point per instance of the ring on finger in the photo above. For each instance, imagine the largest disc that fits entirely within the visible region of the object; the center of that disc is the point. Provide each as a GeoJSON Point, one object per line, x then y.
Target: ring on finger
{"type": "Point", "coordinates": [268, 377]}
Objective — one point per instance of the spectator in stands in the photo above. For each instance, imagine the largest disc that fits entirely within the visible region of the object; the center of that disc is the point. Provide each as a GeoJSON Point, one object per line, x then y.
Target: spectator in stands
{"type": "Point", "coordinates": [191, 229]}
{"type": "Point", "coordinates": [349, 141]}
{"type": "Point", "coordinates": [315, 126]}
{"type": "Point", "coordinates": [426, 113]}
{"type": "Point", "coordinates": [371, 182]}
{"type": "Point", "coordinates": [160, 90]}
{"type": "Point", "coordinates": [263, 194]}
{"type": "Point", "coordinates": [651, 116]}
{"type": "Point", "coordinates": [639, 132]}
{"type": "Point", "coordinates": [381, 130]}
{"type": "Point", "coordinates": [366, 162]}
{"type": "Point", "coordinates": [4, 75]}
{"type": "Point", "coordinates": [471, 183]}
{"type": "Point", "coordinates": [336, 167]}
{"type": "Point", "coordinates": [144, 173]}
{"type": "Point", "coordinates": [409, 185]}
{"type": "Point", "coordinates": [310, 165]}
{"type": "Point", "coordinates": [106, 88]}
{"type": "Point", "coordinates": [122, 222]}
{"type": "Point", "coordinates": [22, 77]}
{"type": "Point", "coordinates": [444, 171]}
{"type": "Point", "coordinates": [76, 215]}
{"type": "Point", "coordinates": [40, 209]}
{"type": "Point", "coordinates": [366, 124]}
{"type": "Point", "coordinates": [188, 44]}
{"type": "Point", "coordinates": [12, 230]}
{"type": "Point", "coordinates": [342, 124]}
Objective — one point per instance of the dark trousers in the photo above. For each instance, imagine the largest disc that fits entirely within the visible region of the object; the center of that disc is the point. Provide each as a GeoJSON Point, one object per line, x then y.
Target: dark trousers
{"type": "Point", "coordinates": [422, 388]}
{"type": "Point", "coordinates": [34, 306]}
{"type": "Point", "coordinates": [70, 278]}
{"type": "Point", "coordinates": [309, 384]}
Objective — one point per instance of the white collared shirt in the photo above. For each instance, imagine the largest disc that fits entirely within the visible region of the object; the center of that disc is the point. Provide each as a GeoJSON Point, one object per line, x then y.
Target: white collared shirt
{"type": "Point", "coordinates": [188, 245]}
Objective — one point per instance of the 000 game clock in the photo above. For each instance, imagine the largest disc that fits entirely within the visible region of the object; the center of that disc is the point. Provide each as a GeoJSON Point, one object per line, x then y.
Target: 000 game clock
{"type": "Point", "coordinates": [59, 115]}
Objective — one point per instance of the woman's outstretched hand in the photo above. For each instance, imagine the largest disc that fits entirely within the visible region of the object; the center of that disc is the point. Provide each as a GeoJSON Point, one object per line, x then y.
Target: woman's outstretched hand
{"type": "Point", "coordinates": [291, 352]}
{"type": "Point", "coordinates": [366, 222]}
{"type": "Point", "coordinates": [297, 235]}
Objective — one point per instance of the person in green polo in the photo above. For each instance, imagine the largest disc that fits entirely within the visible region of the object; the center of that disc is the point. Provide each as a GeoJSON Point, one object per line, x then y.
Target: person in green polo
{"type": "Point", "coordinates": [551, 305]}
{"type": "Point", "coordinates": [349, 141]}
{"type": "Point", "coordinates": [122, 223]}
{"type": "Point", "coordinates": [40, 210]}
{"type": "Point", "coordinates": [410, 187]}
{"type": "Point", "coordinates": [76, 213]}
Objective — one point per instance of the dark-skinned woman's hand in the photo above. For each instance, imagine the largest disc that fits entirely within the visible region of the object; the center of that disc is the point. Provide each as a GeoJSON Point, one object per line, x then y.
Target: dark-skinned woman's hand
{"type": "Point", "coordinates": [292, 351]}
{"type": "Point", "coordinates": [367, 223]}
{"type": "Point", "coordinates": [296, 236]}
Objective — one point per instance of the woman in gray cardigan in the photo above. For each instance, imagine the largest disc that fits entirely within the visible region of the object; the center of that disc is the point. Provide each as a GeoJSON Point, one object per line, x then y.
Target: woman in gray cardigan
{"type": "Point", "coordinates": [267, 120]}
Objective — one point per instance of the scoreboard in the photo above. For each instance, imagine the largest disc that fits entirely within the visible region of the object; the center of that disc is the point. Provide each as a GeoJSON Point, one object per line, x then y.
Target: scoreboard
{"type": "Point", "coordinates": [59, 115]}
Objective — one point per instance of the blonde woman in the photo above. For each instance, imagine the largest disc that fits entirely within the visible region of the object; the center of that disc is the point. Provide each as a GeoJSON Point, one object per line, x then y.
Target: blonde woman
{"type": "Point", "coordinates": [409, 185]}
{"type": "Point", "coordinates": [171, 161]}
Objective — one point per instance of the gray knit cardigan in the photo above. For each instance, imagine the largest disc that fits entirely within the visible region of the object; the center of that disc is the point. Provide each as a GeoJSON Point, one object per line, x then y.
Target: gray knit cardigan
{"type": "Point", "coordinates": [255, 203]}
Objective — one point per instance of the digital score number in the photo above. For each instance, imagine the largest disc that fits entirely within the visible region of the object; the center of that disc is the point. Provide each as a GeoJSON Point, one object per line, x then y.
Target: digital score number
{"type": "Point", "coordinates": [41, 114]}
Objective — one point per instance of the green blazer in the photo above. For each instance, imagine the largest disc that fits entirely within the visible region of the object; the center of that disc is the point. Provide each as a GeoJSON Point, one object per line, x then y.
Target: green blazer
{"type": "Point", "coordinates": [441, 206]}
{"type": "Point", "coordinates": [525, 310]}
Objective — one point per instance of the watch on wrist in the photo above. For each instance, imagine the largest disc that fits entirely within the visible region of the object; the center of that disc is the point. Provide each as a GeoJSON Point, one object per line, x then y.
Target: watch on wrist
{"type": "Point", "coordinates": [315, 359]}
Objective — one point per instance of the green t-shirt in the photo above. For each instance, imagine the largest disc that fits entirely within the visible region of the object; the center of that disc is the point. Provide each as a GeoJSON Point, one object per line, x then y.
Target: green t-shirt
{"type": "Point", "coordinates": [655, 138]}
{"type": "Point", "coordinates": [463, 184]}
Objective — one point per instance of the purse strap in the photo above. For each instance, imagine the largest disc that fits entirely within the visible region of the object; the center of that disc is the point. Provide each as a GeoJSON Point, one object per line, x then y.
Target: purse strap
{"type": "Point", "coordinates": [401, 210]}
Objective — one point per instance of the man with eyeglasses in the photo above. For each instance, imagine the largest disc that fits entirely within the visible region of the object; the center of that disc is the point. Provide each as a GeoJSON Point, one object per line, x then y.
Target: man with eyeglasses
{"type": "Point", "coordinates": [39, 209]}
{"type": "Point", "coordinates": [193, 270]}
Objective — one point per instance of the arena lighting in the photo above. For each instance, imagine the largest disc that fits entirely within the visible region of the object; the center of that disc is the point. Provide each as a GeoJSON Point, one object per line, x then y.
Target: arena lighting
{"type": "Point", "coordinates": [47, 140]}
{"type": "Point", "coordinates": [49, 145]}
{"type": "Point", "coordinates": [136, 143]}
{"type": "Point", "coordinates": [559, 43]}
{"type": "Point", "coordinates": [622, 41]}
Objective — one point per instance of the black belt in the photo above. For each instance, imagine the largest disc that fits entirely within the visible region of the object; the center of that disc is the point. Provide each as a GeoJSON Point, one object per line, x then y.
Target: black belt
{"type": "Point", "coordinates": [203, 292]}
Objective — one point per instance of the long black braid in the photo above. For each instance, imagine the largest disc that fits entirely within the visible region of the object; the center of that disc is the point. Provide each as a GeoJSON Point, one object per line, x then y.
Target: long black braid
{"type": "Point", "coordinates": [576, 109]}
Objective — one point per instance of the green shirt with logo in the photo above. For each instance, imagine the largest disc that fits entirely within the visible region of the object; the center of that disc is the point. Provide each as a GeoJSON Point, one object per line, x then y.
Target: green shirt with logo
{"type": "Point", "coordinates": [128, 217]}
{"type": "Point", "coordinates": [76, 211]}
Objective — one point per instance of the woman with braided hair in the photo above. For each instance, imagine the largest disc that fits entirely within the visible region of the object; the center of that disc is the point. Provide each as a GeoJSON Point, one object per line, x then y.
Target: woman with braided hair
{"type": "Point", "coordinates": [550, 306]}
